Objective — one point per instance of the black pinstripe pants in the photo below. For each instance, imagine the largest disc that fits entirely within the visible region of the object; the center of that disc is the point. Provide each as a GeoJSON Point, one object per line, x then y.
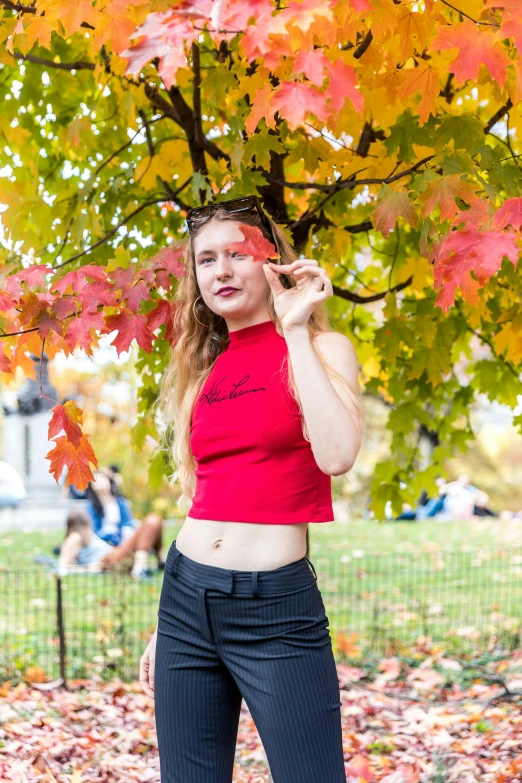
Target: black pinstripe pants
{"type": "Point", "coordinates": [262, 635]}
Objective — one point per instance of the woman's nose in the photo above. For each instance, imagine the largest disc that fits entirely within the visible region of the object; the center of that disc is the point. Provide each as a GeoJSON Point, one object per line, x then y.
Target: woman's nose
{"type": "Point", "coordinates": [223, 263]}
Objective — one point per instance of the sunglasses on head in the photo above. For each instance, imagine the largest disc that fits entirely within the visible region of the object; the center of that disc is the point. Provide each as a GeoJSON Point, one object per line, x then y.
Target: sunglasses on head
{"type": "Point", "coordinates": [239, 206]}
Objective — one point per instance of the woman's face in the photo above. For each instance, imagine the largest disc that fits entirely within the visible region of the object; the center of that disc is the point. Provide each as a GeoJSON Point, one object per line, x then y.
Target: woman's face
{"type": "Point", "coordinates": [101, 483]}
{"type": "Point", "coordinates": [217, 267]}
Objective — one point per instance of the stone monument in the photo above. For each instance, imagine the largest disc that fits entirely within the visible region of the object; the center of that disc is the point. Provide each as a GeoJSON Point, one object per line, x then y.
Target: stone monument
{"type": "Point", "coordinates": [25, 444]}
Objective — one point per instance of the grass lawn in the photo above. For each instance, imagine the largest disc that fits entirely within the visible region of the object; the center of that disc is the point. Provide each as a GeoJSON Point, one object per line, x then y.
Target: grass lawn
{"type": "Point", "coordinates": [384, 585]}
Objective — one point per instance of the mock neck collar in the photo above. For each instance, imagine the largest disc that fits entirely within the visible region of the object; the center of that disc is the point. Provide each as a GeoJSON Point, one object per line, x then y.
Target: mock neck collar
{"type": "Point", "coordinates": [254, 332]}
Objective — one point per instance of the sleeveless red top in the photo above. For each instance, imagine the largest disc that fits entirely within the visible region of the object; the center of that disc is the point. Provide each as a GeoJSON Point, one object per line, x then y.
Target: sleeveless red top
{"type": "Point", "coordinates": [253, 463]}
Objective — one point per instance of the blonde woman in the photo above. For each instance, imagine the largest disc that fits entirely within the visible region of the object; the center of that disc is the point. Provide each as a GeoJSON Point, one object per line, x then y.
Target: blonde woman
{"type": "Point", "coordinates": [263, 407]}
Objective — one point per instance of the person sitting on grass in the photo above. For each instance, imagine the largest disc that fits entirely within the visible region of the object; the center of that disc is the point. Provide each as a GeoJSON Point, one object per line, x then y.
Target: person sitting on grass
{"type": "Point", "coordinates": [84, 551]}
{"type": "Point", "coordinates": [109, 510]}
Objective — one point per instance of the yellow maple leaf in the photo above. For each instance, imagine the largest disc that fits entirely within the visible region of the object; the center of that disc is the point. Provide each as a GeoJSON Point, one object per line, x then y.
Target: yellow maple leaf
{"type": "Point", "coordinates": [425, 79]}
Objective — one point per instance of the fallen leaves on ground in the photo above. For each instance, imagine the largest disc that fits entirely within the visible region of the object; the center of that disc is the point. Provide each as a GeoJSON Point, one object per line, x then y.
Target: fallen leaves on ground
{"type": "Point", "coordinates": [401, 724]}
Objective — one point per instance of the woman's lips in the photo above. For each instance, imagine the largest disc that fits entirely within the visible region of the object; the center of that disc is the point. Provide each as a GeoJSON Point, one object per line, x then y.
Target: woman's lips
{"type": "Point", "coordinates": [228, 292]}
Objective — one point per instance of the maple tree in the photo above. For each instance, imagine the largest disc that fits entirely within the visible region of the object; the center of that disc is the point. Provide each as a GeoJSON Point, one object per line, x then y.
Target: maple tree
{"type": "Point", "coordinates": [381, 134]}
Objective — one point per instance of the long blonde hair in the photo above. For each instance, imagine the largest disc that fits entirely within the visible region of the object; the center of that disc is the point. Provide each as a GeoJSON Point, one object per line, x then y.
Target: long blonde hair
{"type": "Point", "coordinates": [197, 348]}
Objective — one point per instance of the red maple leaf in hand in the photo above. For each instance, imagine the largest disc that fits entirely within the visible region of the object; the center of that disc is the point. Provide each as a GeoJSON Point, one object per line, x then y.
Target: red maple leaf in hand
{"type": "Point", "coordinates": [254, 244]}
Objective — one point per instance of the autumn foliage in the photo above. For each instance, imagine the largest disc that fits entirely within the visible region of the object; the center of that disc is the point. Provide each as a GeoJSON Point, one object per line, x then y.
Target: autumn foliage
{"type": "Point", "coordinates": [382, 135]}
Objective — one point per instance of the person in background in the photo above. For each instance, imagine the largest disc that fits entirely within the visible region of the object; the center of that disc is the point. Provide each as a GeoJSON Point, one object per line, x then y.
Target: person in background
{"type": "Point", "coordinates": [116, 475]}
{"type": "Point", "coordinates": [109, 511]}
{"type": "Point", "coordinates": [12, 489]}
{"type": "Point", "coordinates": [430, 507]}
{"type": "Point", "coordinates": [426, 506]}
{"type": "Point", "coordinates": [145, 540]}
{"type": "Point", "coordinates": [459, 498]}
{"type": "Point", "coordinates": [481, 508]}
{"type": "Point", "coordinates": [84, 551]}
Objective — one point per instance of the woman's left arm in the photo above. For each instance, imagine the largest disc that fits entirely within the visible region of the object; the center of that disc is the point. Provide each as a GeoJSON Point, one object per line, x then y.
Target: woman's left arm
{"type": "Point", "coordinates": [333, 424]}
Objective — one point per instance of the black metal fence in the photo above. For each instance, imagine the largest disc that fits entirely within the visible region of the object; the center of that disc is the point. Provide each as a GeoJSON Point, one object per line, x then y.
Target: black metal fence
{"type": "Point", "coordinates": [98, 624]}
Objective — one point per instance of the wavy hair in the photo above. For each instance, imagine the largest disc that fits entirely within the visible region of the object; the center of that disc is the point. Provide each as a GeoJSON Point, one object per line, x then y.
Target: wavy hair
{"type": "Point", "coordinates": [197, 348]}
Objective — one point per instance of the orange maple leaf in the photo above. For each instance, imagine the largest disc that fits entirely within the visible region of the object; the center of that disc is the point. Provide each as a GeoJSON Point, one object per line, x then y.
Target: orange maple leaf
{"type": "Point", "coordinates": [346, 644]}
{"type": "Point", "coordinates": [342, 86]}
{"type": "Point", "coordinates": [254, 244]}
{"type": "Point", "coordinates": [426, 79]}
{"type": "Point", "coordinates": [360, 769]}
{"type": "Point", "coordinates": [69, 418]}
{"type": "Point", "coordinates": [393, 205]}
{"type": "Point", "coordinates": [475, 47]}
{"type": "Point", "coordinates": [295, 100]}
{"type": "Point", "coordinates": [5, 361]}
{"type": "Point", "coordinates": [163, 34]}
{"type": "Point", "coordinates": [77, 460]}
{"type": "Point", "coordinates": [443, 191]}
{"type": "Point", "coordinates": [261, 109]}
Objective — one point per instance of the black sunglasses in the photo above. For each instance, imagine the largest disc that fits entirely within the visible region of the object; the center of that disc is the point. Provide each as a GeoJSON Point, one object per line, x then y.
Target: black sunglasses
{"type": "Point", "coordinates": [245, 205]}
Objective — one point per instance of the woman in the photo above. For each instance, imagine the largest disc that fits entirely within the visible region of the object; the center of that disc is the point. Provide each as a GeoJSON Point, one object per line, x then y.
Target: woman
{"type": "Point", "coordinates": [84, 550]}
{"type": "Point", "coordinates": [240, 612]}
{"type": "Point", "coordinates": [110, 512]}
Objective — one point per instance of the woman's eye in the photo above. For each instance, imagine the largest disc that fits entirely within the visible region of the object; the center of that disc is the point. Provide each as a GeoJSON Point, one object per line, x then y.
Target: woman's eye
{"type": "Point", "coordinates": [211, 258]}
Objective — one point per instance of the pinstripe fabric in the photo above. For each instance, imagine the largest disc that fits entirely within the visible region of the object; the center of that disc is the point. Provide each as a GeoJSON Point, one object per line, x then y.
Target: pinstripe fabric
{"type": "Point", "coordinates": [262, 635]}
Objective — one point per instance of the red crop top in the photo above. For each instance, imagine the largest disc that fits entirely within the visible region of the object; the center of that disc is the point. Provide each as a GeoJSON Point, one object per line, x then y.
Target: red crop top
{"type": "Point", "coordinates": [253, 463]}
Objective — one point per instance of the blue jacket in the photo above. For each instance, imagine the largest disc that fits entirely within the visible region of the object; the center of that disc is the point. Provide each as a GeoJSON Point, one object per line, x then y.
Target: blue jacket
{"type": "Point", "coordinates": [126, 520]}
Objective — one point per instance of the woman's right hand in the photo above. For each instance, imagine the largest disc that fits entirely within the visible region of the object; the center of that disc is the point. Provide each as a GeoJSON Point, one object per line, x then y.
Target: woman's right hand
{"type": "Point", "coordinates": [147, 663]}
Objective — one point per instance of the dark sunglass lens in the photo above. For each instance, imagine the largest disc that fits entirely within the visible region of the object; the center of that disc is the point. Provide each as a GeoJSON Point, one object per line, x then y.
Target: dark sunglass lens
{"type": "Point", "coordinates": [239, 204]}
{"type": "Point", "coordinates": [199, 212]}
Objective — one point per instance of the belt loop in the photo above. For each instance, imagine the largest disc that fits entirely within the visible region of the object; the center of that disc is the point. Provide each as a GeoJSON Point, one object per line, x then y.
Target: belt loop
{"type": "Point", "coordinates": [204, 617]}
{"type": "Point", "coordinates": [312, 567]}
{"type": "Point", "coordinates": [255, 594]}
{"type": "Point", "coordinates": [175, 562]}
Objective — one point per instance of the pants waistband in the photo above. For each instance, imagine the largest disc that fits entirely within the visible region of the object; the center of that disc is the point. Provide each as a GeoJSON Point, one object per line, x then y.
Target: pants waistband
{"type": "Point", "coordinates": [292, 576]}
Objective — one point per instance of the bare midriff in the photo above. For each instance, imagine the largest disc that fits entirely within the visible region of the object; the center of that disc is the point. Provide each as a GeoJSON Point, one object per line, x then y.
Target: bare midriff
{"type": "Point", "coordinates": [242, 546]}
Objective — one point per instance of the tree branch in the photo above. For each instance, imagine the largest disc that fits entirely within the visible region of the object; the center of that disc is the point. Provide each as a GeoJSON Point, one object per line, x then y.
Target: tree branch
{"type": "Point", "coordinates": [145, 204]}
{"type": "Point", "coordinates": [148, 137]}
{"type": "Point", "coordinates": [363, 46]}
{"type": "Point", "coordinates": [80, 65]}
{"type": "Point", "coordinates": [32, 9]}
{"type": "Point", "coordinates": [150, 202]}
{"type": "Point", "coordinates": [27, 9]}
{"type": "Point", "coordinates": [358, 299]}
{"type": "Point", "coordinates": [342, 184]}
{"type": "Point", "coordinates": [467, 16]}
{"type": "Point", "coordinates": [498, 115]}
{"type": "Point", "coordinates": [196, 93]}
{"type": "Point", "coordinates": [128, 143]}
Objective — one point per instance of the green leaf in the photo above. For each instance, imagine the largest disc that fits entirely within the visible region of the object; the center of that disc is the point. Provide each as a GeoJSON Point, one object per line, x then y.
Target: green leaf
{"type": "Point", "coordinates": [404, 134]}
{"type": "Point", "coordinates": [198, 182]}
{"type": "Point", "coordinates": [466, 132]}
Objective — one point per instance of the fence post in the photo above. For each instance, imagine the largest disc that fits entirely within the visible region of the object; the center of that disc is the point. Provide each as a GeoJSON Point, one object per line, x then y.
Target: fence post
{"type": "Point", "coordinates": [61, 629]}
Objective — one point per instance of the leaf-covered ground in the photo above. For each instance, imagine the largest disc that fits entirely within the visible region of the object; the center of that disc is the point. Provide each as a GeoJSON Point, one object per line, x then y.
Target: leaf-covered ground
{"type": "Point", "coordinates": [435, 721]}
